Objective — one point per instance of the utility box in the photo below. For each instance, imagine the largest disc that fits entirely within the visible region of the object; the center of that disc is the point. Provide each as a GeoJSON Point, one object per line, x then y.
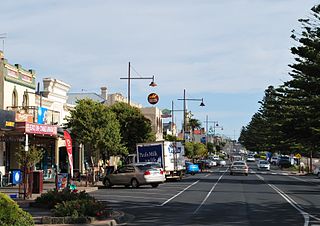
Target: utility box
{"type": "Point", "coordinates": [37, 186]}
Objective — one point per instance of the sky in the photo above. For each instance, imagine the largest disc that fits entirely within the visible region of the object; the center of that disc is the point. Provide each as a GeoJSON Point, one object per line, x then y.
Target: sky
{"type": "Point", "coordinates": [224, 51]}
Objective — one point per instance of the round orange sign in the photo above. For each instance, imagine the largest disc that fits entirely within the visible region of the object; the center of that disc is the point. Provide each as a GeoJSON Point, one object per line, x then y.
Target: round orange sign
{"type": "Point", "coordinates": [153, 98]}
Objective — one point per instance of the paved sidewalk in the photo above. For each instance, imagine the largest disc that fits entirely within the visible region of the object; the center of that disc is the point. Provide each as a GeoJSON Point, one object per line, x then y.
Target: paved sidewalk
{"type": "Point", "coordinates": [38, 213]}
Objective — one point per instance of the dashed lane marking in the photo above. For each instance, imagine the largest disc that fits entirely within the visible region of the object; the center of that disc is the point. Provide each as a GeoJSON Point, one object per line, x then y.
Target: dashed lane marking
{"type": "Point", "coordinates": [179, 193]}
{"type": "Point", "coordinates": [209, 193]}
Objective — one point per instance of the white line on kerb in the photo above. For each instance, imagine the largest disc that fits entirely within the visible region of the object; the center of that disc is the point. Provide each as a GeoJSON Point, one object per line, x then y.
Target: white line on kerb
{"type": "Point", "coordinates": [289, 200]}
{"type": "Point", "coordinates": [205, 199]}
{"type": "Point", "coordinates": [179, 193]}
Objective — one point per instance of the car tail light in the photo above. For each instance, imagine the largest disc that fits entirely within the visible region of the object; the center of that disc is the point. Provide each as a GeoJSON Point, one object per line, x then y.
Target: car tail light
{"type": "Point", "coordinates": [147, 172]}
{"type": "Point", "coordinates": [161, 171]}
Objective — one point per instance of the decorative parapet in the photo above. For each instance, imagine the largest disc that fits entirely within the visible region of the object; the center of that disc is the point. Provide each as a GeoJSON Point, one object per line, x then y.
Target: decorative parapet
{"type": "Point", "coordinates": [16, 74]}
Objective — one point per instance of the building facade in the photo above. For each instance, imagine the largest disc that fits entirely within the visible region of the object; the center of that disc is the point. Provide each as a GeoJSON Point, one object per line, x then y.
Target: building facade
{"type": "Point", "coordinates": [38, 116]}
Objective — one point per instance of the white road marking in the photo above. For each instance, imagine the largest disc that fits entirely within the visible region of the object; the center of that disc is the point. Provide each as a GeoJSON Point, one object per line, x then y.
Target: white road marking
{"type": "Point", "coordinates": [213, 187]}
{"type": "Point", "coordinates": [179, 193]}
{"type": "Point", "coordinates": [289, 200]}
{"type": "Point", "coordinates": [128, 197]}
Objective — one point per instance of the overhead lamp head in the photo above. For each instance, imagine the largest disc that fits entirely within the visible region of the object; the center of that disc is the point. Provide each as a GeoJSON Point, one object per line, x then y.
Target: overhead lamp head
{"type": "Point", "coordinates": [202, 104]}
{"type": "Point", "coordinates": [153, 84]}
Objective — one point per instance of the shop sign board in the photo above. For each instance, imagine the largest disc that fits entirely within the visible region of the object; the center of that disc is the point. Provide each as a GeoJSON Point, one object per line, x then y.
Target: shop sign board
{"type": "Point", "coordinates": [33, 128]}
{"type": "Point", "coordinates": [24, 117]}
{"type": "Point", "coordinates": [153, 98]}
{"type": "Point", "coordinates": [7, 120]}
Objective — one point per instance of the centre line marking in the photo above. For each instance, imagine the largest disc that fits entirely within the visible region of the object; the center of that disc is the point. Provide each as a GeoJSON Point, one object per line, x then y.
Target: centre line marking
{"type": "Point", "coordinates": [179, 193]}
{"type": "Point", "coordinates": [205, 199]}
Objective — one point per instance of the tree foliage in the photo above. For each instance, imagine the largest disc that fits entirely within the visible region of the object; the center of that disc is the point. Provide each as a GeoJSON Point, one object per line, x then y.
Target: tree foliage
{"type": "Point", "coordinates": [29, 158]}
{"type": "Point", "coordinates": [289, 117]}
{"type": "Point", "coordinates": [134, 126]}
{"type": "Point", "coordinates": [94, 124]}
{"type": "Point", "coordinates": [195, 150]}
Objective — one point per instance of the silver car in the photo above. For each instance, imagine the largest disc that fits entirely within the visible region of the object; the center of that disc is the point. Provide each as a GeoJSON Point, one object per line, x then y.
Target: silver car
{"type": "Point", "coordinates": [135, 175]}
{"type": "Point", "coordinates": [239, 167]}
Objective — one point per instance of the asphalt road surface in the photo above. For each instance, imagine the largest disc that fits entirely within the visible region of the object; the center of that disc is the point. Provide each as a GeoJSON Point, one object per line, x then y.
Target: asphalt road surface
{"type": "Point", "coordinates": [217, 198]}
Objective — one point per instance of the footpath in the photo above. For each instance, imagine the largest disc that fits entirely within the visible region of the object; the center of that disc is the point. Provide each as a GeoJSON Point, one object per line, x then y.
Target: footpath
{"type": "Point", "coordinates": [116, 218]}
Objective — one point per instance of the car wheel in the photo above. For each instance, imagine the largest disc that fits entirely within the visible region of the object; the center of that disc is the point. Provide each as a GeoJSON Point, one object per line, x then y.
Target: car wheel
{"type": "Point", "coordinates": [134, 183]}
{"type": "Point", "coordinates": [231, 173]}
{"type": "Point", "coordinates": [318, 174]}
{"type": "Point", "coordinates": [246, 174]}
{"type": "Point", "coordinates": [154, 185]}
{"type": "Point", "coordinates": [107, 183]}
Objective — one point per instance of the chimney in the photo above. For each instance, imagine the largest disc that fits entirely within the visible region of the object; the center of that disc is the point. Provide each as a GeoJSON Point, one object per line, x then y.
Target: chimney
{"type": "Point", "coordinates": [104, 92]}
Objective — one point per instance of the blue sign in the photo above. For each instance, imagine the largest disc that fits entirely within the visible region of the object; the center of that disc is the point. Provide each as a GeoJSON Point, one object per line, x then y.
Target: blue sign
{"type": "Point", "coordinates": [173, 148]}
{"type": "Point", "coordinates": [16, 177]}
{"type": "Point", "coordinates": [151, 153]}
{"type": "Point", "coordinates": [42, 115]}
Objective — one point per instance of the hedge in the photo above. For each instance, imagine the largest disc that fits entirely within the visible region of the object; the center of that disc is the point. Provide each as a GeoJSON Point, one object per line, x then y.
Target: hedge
{"type": "Point", "coordinates": [11, 214]}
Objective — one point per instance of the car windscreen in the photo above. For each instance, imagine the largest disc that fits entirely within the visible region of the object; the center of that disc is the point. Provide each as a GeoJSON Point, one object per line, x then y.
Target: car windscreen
{"type": "Point", "coordinates": [284, 158]}
{"type": "Point", "coordinates": [264, 162]}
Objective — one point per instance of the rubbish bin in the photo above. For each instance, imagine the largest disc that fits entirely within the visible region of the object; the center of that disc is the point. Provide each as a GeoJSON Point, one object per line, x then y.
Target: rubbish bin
{"type": "Point", "coordinates": [37, 186]}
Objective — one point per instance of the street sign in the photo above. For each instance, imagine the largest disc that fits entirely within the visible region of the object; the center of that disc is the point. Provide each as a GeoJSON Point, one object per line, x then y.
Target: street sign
{"type": "Point", "coordinates": [298, 156]}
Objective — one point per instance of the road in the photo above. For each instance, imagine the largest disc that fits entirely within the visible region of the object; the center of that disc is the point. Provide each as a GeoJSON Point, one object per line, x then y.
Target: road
{"type": "Point", "coordinates": [217, 198]}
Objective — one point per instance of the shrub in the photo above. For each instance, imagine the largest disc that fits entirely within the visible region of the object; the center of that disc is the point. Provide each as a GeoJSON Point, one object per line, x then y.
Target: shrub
{"type": "Point", "coordinates": [53, 197]}
{"type": "Point", "coordinates": [11, 214]}
{"type": "Point", "coordinates": [80, 208]}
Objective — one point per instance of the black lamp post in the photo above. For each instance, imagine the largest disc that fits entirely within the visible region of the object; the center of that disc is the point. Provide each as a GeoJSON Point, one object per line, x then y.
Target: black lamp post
{"type": "Point", "coordinates": [152, 83]}
{"type": "Point", "coordinates": [185, 110]}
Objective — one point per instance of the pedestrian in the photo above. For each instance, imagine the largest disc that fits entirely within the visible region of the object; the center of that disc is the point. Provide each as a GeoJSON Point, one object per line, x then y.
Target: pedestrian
{"type": "Point", "coordinates": [302, 166]}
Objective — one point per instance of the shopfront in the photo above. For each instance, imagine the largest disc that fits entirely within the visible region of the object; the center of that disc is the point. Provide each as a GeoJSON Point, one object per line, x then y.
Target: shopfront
{"type": "Point", "coordinates": [43, 137]}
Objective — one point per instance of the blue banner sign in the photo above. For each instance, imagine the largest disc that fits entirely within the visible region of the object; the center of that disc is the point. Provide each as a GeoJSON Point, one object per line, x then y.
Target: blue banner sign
{"type": "Point", "coordinates": [150, 153]}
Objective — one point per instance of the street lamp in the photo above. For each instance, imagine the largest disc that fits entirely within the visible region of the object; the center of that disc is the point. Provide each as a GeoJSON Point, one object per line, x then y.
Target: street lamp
{"type": "Point", "coordinates": [172, 115]}
{"type": "Point", "coordinates": [185, 111]}
{"type": "Point", "coordinates": [152, 83]}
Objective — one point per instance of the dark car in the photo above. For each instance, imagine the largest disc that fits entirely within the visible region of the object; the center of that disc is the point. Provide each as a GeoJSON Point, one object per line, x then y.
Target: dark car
{"type": "Point", "coordinates": [284, 162]}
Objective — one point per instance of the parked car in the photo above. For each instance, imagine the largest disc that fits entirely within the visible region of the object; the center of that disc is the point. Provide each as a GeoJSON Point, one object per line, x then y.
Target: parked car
{"type": "Point", "coordinates": [284, 162]}
{"type": "Point", "coordinates": [207, 163]}
{"type": "Point", "coordinates": [192, 168]}
{"type": "Point", "coordinates": [215, 158]}
{"type": "Point", "coordinates": [135, 175]}
{"type": "Point", "coordinates": [222, 162]}
{"type": "Point", "coordinates": [317, 171]}
{"type": "Point", "coordinates": [251, 158]}
{"type": "Point", "coordinates": [263, 165]}
{"type": "Point", "coordinates": [274, 160]}
{"type": "Point", "coordinates": [239, 167]}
